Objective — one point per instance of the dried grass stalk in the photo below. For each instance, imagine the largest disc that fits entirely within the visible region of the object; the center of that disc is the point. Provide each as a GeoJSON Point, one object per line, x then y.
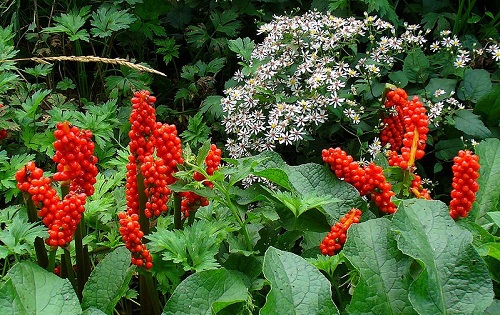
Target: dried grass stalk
{"type": "Point", "coordinates": [114, 61]}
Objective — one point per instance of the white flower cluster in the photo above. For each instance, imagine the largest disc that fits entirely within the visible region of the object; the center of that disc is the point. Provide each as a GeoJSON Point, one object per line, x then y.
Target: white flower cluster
{"type": "Point", "coordinates": [306, 71]}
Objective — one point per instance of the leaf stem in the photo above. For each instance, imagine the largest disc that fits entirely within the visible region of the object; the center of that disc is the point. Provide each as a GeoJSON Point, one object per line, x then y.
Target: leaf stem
{"type": "Point", "coordinates": [150, 303]}
{"type": "Point", "coordinates": [40, 250]}
{"type": "Point", "coordinates": [177, 212]}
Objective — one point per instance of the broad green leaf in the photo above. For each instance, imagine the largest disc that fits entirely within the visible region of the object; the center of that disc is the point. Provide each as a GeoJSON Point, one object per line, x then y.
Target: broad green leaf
{"type": "Point", "coordinates": [416, 66]}
{"type": "Point", "coordinates": [494, 308]}
{"type": "Point", "coordinates": [454, 278]}
{"type": "Point", "coordinates": [447, 149]}
{"type": "Point", "coordinates": [490, 249]}
{"type": "Point", "coordinates": [476, 84]}
{"type": "Point", "coordinates": [447, 85]}
{"type": "Point", "coordinates": [495, 217]}
{"type": "Point", "coordinates": [398, 78]}
{"type": "Point", "coordinates": [489, 106]}
{"type": "Point", "coordinates": [108, 282]}
{"type": "Point", "coordinates": [471, 124]}
{"type": "Point", "coordinates": [488, 196]}
{"type": "Point", "coordinates": [384, 271]}
{"type": "Point", "coordinates": [208, 292]}
{"type": "Point", "coordinates": [107, 20]}
{"type": "Point", "coordinates": [33, 290]}
{"type": "Point", "coordinates": [317, 179]}
{"type": "Point", "coordinates": [93, 311]}
{"type": "Point", "coordinates": [297, 287]}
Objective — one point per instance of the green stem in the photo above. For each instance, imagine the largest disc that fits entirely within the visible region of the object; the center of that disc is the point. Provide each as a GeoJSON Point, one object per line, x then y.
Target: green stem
{"type": "Point", "coordinates": [81, 266]}
{"type": "Point", "coordinates": [67, 270]}
{"type": "Point", "coordinates": [82, 74]}
{"type": "Point", "coordinates": [236, 214]}
{"type": "Point", "coordinates": [143, 219]}
{"type": "Point", "coordinates": [150, 303]}
{"type": "Point", "coordinates": [227, 201]}
{"type": "Point", "coordinates": [52, 260]}
{"type": "Point", "coordinates": [177, 211]}
{"type": "Point", "coordinates": [41, 252]}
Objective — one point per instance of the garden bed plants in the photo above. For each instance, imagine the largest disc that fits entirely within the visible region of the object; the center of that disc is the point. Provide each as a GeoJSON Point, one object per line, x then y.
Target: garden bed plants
{"type": "Point", "coordinates": [319, 160]}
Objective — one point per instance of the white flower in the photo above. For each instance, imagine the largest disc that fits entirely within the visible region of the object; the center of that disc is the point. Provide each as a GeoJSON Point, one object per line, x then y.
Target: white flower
{"type": "Point", "coordinates": [439, 92]}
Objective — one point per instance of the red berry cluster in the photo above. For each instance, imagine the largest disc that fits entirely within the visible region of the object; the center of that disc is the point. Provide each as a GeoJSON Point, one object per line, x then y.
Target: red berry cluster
{"type": "Point", "coordinates": [155, 182]}
{"type": "Point", "coordinates": [368, 180]}
{"type": "Point", "coordinates": [143, 122]}
{"type": "Point", "coordinates": [418, 190]}
{"type": "Point", "coordinates": [156, 167]}
{"type": "Point", "coordinates": [465, 174]}
{"type": "Point", "coordinates": [158, 172]}
{"type": "Point", "coordinates": [3, 132]}
{"type": "Point", "coordinates": [335, 239]}
{"type": "Point", "coordinates": [61, 217]}
{"type": "Point", "coordinates": [63, 222]}
{"type": "Point", "coordinates": [75, 158]}
{"type": "Point", "coordinates": [411, 119]}
{"type": "Point", "coordinates": [190, 200]}
{"type": "Point", "coordinates": [394, 124]}
{"type": "Point", "coordinates": [130, 229]}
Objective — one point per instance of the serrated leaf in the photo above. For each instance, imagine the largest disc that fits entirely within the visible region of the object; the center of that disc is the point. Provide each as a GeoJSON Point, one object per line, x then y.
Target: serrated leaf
{"type": "Point", "coordinates": [194, 247]}
{"type": "Point", "coordinates": [168, 48]}
{"type": "Point", "coordinates": [226, 22]}
{"type": "Point", "coordinates": [202, 153]}
{"type": "Point", "coordinates": [197, 131]}
{"type": "Point", "coordinates": [7, 80]}
{"type": "Point", "coordinates": [212, 106]}
{"type": "Point", "coordinates": [208, 292]}
{"type": "Point", "coordinates": [384, 271]}
{"type": "Point", "coordinates": [297, 287]}
{"type": "Point", "coordinates": [454, 278]}
{"type": "Point", "coordinates": [416, 66]}
{"type": "Point", "coordinates": [476, 84]}
{"type": "Point", "coordinates": [107, 20]}
{"type": "Point", "coordinates": [243, 47]}
{"type": "Point", "coordinates": [489, 106]}
{"type": "Point", "coordinates": [70, 24]}
{"type": "Point", "coordinates": [65, 84]}
{"type": "Point", "coordinates": [471, 124]}
{"type": "Point", "coordinates": [214, 66]}
{"type": "Point", "coordinates": [197, 36]}
{"type": "Point", "coordinates": [33, 290]}
{"type": "Point", "coordinates": [488, 196]}
{"type": "Point", "coordinates": [109, 281]}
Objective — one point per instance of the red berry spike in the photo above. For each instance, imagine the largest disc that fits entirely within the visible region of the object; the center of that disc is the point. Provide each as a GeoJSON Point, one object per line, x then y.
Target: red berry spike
{"type": "Point", "coordinates": [368, 180]}
{"type": "Point", "coordinates": [465, 174]}
{"type": "Point", "coordinates": [406, 130]}
{"type": "Point", "coordinates": [130, 230]}
{"type": "Point", "coordinates": [335, 239]}
{"type": "Point", "coordinates": [76, 162]}
{"type": "Point", "coordinates": [60, 217]}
